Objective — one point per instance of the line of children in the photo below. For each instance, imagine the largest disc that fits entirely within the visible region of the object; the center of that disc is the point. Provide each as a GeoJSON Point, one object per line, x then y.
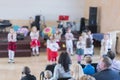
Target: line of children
{"type": "Point", "coordinates": [35, 43]}
{"type": "Point", "coordinates": [12, 38]}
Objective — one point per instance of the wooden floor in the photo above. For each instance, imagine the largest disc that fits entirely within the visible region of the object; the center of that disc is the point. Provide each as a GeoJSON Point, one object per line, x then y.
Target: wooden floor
{"type": "Point", "coordinates": [36, 64]}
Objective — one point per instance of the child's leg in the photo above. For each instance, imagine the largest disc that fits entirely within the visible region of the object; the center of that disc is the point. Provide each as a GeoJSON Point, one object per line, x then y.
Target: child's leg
{"type": "Point", "coordinates": [37, 50]}
{"type": "Point", "coordinates": [79, 58]}
{"type": "Point", "coordinates": [33, 51]}
{"type": "Point", "coordinates": [9, 55]}
{"type": "Point", "coordinates": [13, 55]}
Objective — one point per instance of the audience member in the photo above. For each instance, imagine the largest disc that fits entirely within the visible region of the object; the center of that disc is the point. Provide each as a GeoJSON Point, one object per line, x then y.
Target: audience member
{"type": "Point", "coordinates": [27, 76]}
{"type": "Point", "coordinates": [115, 64]}
{"type": "Point", "coordinates": [62, 69]}
{"type": "Point", "coordinates": [76, 71]}
{"type": "Point", "coordinates": [47, 74]}
{"type": "Point", "coordinates": [88, 69]}
{"type": "Point", "coordinates": [87, 77]}
{"type": "Point", "coordinates": [106, 72]}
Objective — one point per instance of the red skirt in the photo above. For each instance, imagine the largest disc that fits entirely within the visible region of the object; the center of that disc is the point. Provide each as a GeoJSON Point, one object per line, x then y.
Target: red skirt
{"type": "Point", "coordinates": [48, 54]}
{"type": "Point", "coordinates": [54, 55]}
{"type": "Point", "coordinates": [34, 43]}
{"type": "Point", "coordinates": [12, 46]}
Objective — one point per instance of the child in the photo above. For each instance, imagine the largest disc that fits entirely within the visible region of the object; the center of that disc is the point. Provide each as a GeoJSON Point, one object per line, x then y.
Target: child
{"type": "Point", "coordinates": [80, 48]}
{"type": "Point", "coordinates": [106, 44]}
{"type": "Point", "coordinates": [88, 69]}
{"type": "Point", "coordinates": [54, 50]}
{"type": "Point", "coordinates": [69, 41]}
{"type": "Point", "coordinates": [57, 35]}
{"type": "Point", "coordinates": [35, 43]}
{"type": "Point", "coordinates": [12, 38]}
{"type": "Point", "coordinates": [89, 47]}
{"type": "Point", "coordinates": [48, 48]}
{"type": "Point", "coordinates": [47, 74]}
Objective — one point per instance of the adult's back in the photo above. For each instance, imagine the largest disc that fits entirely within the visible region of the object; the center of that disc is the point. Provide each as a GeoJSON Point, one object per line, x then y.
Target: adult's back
{"type": "Point", "coordinates": [107, 74]}
{"type": "Point", "coordinates": [29, 77]}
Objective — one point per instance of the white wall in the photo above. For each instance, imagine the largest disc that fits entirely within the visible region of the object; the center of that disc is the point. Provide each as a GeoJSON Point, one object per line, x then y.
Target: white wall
{"type": "Point", "coordinates": [51, 9]}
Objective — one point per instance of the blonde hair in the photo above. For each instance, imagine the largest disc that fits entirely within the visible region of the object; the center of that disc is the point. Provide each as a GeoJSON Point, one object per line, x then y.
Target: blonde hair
{"type": "Point", "coordinates": [87, 77]}
{"type": "Point", "coordinates": [48, 74]}
{"type": "Point", "coordinates": [77, 71]}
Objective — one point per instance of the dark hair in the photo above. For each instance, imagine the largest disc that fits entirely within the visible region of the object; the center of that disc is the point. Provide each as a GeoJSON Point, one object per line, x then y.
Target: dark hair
{"type": "Point", "coordinates": [107, 61]}
{"type": "Point", "coordinates": [111, 54]}
{"type": "Point", "coordinates": [88, 43]}
{"type": "Point", "coordinates": [26, 70]}
{"type": "Point", "coordinates": [88, 59]}
{"type": "Point", "coordinates": [65, 61]}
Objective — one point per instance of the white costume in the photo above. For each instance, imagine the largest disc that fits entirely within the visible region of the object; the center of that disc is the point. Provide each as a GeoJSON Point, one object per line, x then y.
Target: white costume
{"type": "Point", "coordinates": [35, 43]}
{"type": "Point", "coordinates": [81, 44]}
{"type": "Point", "coordinates": [105, 45]}
{"type": "Point", "coordinates": [12, 38]}
{"type": "Point", "coordinates": [69, 42]}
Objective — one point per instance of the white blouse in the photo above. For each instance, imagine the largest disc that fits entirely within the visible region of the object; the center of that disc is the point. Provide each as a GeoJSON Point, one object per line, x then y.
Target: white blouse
{"type": "Point", "coordinates": [12, 37]}
{"type": "Point", "coordinates": [34, 35]}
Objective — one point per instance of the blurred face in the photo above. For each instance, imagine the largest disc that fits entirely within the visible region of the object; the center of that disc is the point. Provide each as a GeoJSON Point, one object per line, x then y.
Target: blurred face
{"type": "Point", "coordinates": [105, 36]}
{"type": "Point", "coordinates": [34, 29]}
{"type": "Point", "coordinates": [80, 38]}
{"type": "Point", "coordinates": [69, 30]}
{"type": "Point", "coordinates": [101, 64]}
{"type": "Point", "coordinates": [11, 31]}
{"type": "Point", "coordinates": [89, 32]}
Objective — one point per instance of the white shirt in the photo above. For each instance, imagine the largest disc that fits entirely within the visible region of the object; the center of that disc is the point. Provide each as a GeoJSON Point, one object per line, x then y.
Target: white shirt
{"type": "Point", "coordinates": [54, 46]}
{"type": "Point", "coordinates": [105, 45]}
{"type": "Point", "coordinates": [60, 73]}
{"type": "Point", "coordinates": [81, 44]}
{"type": "Point", "coordinates": [12, 37]}
{"type": "Point", "coordinates": [34, 35]}
{"type": "Point", "coordinates": [69, 36]}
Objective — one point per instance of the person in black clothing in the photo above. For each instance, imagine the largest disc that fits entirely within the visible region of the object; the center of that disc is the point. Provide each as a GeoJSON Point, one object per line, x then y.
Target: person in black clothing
{"type": "Point", "coordinates": [26, 71]}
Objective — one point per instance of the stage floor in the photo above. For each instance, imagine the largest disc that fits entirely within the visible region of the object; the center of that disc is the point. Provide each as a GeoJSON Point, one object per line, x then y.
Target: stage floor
{"type": "Point", "coordinates": [36, 64]}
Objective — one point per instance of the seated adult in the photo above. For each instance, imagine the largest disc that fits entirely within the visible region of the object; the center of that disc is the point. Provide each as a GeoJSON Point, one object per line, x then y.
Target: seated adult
{"type": "Point", "coordinates": [106, 72]}
{"type": "Point", "coordinates": [27, 76]}
{"type": "Point", "coordinates": [88, 69]}
{"type": "Point", "coordinates": [115, 63]}
{"type": "Point", "coordinates": [87, 77]}
{"type": "Point", "coordinates": [62, 68]}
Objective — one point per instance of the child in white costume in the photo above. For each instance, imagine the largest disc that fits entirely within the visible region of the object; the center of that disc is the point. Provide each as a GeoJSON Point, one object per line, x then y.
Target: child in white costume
{"type": "Point", "coordinates": [106, 44]}
{"type": "Point", "coordinates": [53, 50]}
{"type": "Point", "coordinates": [35, 43]}
{"type": "Point", "coordinates": [12, 38]}
{"type": "Point", "coordinates": [69, 41]}
{"type": "Point", "coordinates": [80, 48]}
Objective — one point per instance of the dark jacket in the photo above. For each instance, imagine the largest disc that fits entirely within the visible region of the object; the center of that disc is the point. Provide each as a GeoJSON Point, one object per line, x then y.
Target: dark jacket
{"type": "Point", "coordinates": [107, 74]}
{"type": "Point", "coordinates": [28, 77]}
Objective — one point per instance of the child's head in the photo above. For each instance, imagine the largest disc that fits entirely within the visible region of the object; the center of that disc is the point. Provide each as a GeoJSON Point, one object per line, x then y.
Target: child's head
{"type": "Point", "coordinates": [11, 30]}
{"type": "Point", "coordinates": [34, 29]}
{"type": "Point", "coordinates": [80, 38]}
{"type": "Point", "coordinates": [48, 74]}
{"type": "Point", "coordinates": [68, 30]}
{"type": "Point", "coordinates": [89, 32]}
{"type": "Point", "coordinates": [87, 77]}
{"type": "Point", "coordinates": [88, 59]}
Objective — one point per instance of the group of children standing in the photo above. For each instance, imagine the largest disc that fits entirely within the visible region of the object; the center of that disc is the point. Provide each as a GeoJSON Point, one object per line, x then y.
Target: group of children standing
{"type": "Point", "coordinates": [84, 44]}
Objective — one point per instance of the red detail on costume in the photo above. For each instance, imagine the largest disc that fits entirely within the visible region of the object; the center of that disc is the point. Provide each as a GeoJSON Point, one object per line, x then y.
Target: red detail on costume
{"type": "Point", "coordinates": [54, 55]}
{"type": "Point", "coordinates": [12, 46]}
{"type": "Point", "coordinates": [49, 54]}
{"type": "Point", "coordinates": [35, 43]}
